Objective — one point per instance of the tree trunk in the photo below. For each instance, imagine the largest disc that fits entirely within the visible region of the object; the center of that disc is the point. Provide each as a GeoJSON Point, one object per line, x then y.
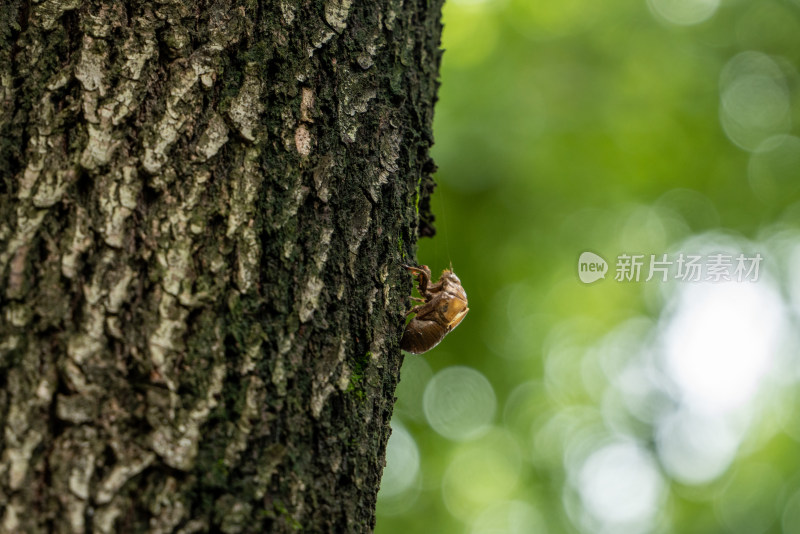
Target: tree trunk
{"type": "Point", "coordinates": [204, 209]}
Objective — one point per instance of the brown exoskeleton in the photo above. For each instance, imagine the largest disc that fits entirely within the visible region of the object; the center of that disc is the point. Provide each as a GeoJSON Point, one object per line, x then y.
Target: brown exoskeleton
{"type": "Point", "coordinates": [444, 305]}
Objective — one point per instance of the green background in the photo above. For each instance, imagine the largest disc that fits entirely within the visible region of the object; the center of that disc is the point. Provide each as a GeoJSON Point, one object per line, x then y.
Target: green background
{"type": "Point", "coordinates": [616, 127]}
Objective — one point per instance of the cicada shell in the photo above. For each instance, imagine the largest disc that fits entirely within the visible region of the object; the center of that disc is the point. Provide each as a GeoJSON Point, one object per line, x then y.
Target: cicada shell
{"type": "Point", "coordinates": [444, 306]}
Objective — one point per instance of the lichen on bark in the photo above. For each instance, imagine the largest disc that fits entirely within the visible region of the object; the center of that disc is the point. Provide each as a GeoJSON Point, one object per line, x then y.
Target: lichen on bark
{"type": "Point", "coordinates": [203, 211]}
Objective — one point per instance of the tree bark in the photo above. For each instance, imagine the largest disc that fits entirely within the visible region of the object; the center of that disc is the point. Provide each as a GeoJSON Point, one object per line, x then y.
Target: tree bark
{"type": "Point", "coordinates": [204, 209]}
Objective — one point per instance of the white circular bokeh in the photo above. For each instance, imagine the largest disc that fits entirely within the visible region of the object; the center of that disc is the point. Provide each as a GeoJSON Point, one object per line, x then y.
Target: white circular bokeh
{"type": "Point", "coordinates": [509, 517]}
{"type": "Point", "coordinates": [755, 102]}
{"type": "Point", "coordinates": [621, 487]}
{"type": "Point", "coordinates": [696, 449]}
{"type": "Point", "coordinates": [402, 462]}
{"type": "Point", "coordinates": [683, 12]}
{"type": "Point", "coordinates": [721, 341]}
{"type": "Point", "coordinates": [459, 403]}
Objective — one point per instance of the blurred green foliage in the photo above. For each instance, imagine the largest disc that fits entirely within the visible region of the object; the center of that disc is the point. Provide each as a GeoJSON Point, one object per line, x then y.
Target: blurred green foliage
{"type": "Point", "coordinates": [649, 127]}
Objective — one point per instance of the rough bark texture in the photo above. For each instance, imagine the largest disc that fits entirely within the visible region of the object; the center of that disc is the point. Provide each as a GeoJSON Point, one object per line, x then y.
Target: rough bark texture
{"type": "Point", "coordinates": [203, 211]}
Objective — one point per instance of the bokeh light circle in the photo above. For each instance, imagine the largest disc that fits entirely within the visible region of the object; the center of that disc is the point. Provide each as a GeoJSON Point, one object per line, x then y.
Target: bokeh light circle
{"type": "Point", "coordinates": [459, 403]}
{"type": "Point", "coordinates": [621, 487]}
{"type": "Point", "coordinates": [696, 449]}
{"type": "Point", "coordinates": [754, 99]}
{"type": "Point", "coordinates": [481, 474]}
{"type": "Point", "coordinates": [721, 341]}
{"type": "Point", "coordinates": [402, 462]}
{"type": "Point", "coordinates": [509, 517]}
{"type": "Point", "coordinates": [683, 12]}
